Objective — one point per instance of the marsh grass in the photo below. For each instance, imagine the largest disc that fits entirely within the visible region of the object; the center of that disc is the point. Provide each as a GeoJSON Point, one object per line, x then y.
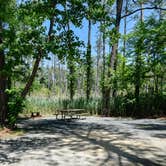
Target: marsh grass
{"type": "Point", "coordinates": [48, 106]}
{"type": "Point", "coordinates": [123, 106]}
{"type": "Point", "coordinates": [43, 105]}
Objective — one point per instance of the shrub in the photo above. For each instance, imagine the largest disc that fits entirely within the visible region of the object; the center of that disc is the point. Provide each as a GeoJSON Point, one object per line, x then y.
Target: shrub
{"type": "Point", "coordinates": [15, 106]}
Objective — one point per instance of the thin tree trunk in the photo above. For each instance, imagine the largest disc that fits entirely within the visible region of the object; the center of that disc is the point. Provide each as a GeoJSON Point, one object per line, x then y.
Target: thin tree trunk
{"type": "Point", "coordinates": [142, 13]}
{"type": "Point", "coordinates": [32, 77]}
{"type": "Point", "coordinates": [71, 80]}
{"type": "Point", "coordinates": [71, 64]}
{"type": "Point", "coordinates": [88, 60]}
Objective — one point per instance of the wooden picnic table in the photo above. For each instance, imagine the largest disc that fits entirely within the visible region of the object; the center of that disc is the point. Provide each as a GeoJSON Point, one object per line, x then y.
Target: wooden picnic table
{"type": "Point", "coordinates": [71, 113]}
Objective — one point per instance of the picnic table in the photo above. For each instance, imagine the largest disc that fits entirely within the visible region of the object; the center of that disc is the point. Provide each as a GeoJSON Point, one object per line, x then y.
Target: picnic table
{"type": "Point", "coordinates": [72, 113]}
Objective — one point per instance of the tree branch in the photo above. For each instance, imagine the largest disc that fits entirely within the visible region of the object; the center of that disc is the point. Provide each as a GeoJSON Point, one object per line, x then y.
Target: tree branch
{"type": "Point", "coordinates": [145, 8]}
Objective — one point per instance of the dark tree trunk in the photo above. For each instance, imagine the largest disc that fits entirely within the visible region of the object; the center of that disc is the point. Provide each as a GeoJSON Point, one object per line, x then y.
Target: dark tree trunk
{"type": "Point", "coordinates": [3, 83]}
{"type": "Point", "coordinates": [32, 77]}
{"type": "Point", "coordinates": [88, 60]}
{"type": "Point", "coordinates": [71, 81]}
{"type": "Point", "coordinates": [71, 64]}
{"type": "Point", "coordinates": [113, 56]}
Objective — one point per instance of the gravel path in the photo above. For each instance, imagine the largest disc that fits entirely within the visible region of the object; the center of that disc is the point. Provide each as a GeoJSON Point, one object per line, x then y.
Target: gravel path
{"type": "Point", "coordinates": [92, 141]}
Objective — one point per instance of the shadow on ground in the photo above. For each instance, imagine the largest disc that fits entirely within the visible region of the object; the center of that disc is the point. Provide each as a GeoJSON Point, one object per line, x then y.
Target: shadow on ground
{"type": "Point", "coordinates": [73, 143]}
{"type": "Point", "coordinates": [151, 126]}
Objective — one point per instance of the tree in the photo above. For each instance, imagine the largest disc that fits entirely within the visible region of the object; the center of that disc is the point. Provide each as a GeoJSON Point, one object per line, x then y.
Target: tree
{"type": "Point", "coordinates": [98, 58]}
{"type": "Point", "coordinates": [138, 62]}
{"type": "Point", "coordinates": [29, 39]}
{"type": "Point", "coordinates": [5, 32]}
{"type": "Point", "coordinates": [89, 14]}
{"type": "Point", "coordinates": [69, 42]}
{"type": "Point", "coordinates": [113, 56]}
{"type": "Point", "coordinates": [94, 13]}
{"type": "Point", "coordinates": [42, 47]}
{"type": "Point", "coordinates": [148, 61]}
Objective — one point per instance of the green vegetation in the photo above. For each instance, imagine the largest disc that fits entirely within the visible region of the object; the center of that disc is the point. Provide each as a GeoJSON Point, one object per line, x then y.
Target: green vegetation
{"type": "Point", "coordinates": [48, 106]}
{"type": "Point", "coordinates": [126, 77]}
{"type": "Point", "coordinates": [150, 106]}
{"type": "Point", "coordinates": [15, 106]}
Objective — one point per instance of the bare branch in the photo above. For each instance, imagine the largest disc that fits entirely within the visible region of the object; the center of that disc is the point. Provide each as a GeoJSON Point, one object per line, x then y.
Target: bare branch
{"type": "Point", "coordinates": [145, 8]}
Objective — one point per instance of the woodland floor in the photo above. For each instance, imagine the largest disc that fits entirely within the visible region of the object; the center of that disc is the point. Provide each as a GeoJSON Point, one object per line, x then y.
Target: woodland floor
{"type": "Point", "coordinates": [93, 141]}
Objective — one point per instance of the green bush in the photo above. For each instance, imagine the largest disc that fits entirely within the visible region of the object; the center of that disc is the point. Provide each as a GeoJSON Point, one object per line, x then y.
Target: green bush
{"type": "Point", "coordinates": [15, 106]}
{"type": "Point", "coordinates": [148, 106]}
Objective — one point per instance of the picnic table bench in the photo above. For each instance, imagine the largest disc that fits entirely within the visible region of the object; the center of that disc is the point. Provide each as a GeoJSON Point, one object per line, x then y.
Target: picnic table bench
{"type": "Point", "coordinates": [35, 114]}
{"type": "Point", "coordinates": [71, 113]}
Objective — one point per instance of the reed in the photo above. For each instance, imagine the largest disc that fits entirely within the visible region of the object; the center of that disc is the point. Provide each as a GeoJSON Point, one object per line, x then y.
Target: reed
{"type": "Point", "coordinates": [48, 106]}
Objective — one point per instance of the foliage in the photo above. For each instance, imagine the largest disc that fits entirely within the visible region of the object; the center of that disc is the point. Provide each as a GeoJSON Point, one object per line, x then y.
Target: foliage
{"type": "Point", "coordinates": [15, 106]}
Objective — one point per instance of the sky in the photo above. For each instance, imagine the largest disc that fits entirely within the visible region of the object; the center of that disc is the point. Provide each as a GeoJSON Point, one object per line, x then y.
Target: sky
{"type": "Point", "coordinates": [82, 33]}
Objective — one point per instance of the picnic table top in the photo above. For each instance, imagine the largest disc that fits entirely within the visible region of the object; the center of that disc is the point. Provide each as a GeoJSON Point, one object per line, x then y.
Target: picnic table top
{"type": "Point", "coordinates": [72, 110]}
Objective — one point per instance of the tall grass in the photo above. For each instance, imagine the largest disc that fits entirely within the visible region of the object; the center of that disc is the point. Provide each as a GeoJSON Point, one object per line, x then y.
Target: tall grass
{"type": "Point", "coordinates": [48, 106]}
{"type": "Point", "coordinates": [119, 106]}
{"type": "Point", "coordinates": [43, 105]}
{"type": "Point", "coordinates": [91, 106]}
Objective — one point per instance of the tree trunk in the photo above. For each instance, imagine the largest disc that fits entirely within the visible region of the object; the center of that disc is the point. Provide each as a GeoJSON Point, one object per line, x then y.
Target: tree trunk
{"type": "Point", "coordinates": [71, 80]}
{"type": "Point", "coordinates": [113, 55]}
{"type": "Point", "coordinates": [88, 65]}
{"type": "Point", "coordinates": [142, 13]}
{"type": "Point", "coordinates": [71, 64]}
{"type": "Point", "coordinates": [3, 83]}
{"type": "Point", "coordinates": [32, 77]}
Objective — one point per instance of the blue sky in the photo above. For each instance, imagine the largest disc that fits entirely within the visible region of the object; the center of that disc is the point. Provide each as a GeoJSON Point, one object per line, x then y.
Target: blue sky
{"type": "Point", "coordinates": [82, 33]}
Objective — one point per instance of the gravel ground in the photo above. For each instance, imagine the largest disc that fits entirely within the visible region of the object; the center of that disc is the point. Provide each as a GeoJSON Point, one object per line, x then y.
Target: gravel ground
{"type": "Point", "coordinates": [93, 141]}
